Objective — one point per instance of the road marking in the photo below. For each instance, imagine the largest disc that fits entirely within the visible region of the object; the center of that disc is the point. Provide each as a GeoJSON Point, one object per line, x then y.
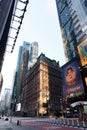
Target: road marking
{"type": "Point", "coordinates": [51, 128]}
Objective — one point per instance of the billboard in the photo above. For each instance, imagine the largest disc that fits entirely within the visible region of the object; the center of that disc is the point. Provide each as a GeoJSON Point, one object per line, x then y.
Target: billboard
{"type": "Point", "coordinates": [18, 107]}
{"type": "Point", "coordinates": [72, 81]}
{"type": "Point", "coordinates": [82, 50]}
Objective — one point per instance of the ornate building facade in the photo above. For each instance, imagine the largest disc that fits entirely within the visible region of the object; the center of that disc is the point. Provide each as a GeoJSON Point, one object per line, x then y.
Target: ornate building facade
{"type": "Point", "coordinates": [42, 88]}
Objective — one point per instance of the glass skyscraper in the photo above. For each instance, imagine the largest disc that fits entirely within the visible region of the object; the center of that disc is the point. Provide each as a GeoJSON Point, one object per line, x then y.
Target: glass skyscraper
{"type": "Point", "coordinates": [73, 21]}
{"type": "Point", "coordinates": [27, 57]}
{"type": "Point", "coordinates": [72, 16]}
{"type": "Point", "coordinates": [33, 54]}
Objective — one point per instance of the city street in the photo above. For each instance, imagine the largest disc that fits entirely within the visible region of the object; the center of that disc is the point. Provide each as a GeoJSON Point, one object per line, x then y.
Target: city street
{"type": "Point", "coordinates": [32, 124]}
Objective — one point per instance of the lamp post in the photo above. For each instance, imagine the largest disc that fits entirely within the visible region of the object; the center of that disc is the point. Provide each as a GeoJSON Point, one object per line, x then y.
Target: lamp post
{"type": "Point", "coordinates": [61, 102]}
{"type": "Point", "coordinates": [13, 108]}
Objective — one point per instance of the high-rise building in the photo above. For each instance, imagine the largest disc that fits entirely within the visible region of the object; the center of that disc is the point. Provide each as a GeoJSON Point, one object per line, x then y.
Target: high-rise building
{"type": "Point", "coordinates": [22, 66]}
{"type": "Point", "coordinates": [27, 57]}
{"type": "Point", "coordinates": [6, 10]}
{"type": "Point", "coordinates": [6, 98]}
{"type": "Point", "coordinates": [33, 54]}
{"type": "Point", "coordinates": [73, 21]}
{"type": "Point", "coordinates": [8, 16]}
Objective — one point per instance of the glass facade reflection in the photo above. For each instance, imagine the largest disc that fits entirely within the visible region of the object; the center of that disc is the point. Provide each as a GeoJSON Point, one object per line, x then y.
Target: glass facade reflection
{"type": "Point", "coordinates": [73, 21]}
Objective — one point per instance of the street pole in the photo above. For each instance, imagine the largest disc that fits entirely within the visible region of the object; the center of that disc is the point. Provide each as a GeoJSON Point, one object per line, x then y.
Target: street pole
{"type": "Point", "coordinates": [61, 101]}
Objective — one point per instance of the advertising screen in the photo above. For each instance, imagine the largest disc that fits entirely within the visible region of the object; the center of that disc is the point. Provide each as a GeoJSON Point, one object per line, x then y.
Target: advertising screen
{"type": "Point", "coordinates": [72, 81]}
{"type": "Point", "coordinates": [82, 50]}
{"type": "Point", "coordinates": [18, 107]}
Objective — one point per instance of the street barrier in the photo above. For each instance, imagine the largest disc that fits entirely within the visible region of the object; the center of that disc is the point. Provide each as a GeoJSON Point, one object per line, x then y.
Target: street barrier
{"type": "Point", "coordinates": [75, 123]}
{"type": "Point", "coordinates": [69, 122]}
{"type": "Point", "coordinates": [81, 124]}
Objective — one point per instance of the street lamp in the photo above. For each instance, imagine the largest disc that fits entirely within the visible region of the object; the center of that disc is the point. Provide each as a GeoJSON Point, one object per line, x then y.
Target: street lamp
{"type": "Point", "coordinates": [61, 102]}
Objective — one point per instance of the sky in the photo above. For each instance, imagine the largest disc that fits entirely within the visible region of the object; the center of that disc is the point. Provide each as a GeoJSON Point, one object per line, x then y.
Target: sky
{"type": "Point", "coordinates": [40, 24]}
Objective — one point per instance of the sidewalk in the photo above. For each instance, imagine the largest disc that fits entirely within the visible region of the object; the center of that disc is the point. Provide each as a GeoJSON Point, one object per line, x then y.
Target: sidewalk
{"type": "Point", "coordinates": [13, 126]}
{"type": "Point", "coordinates": [7, 125]}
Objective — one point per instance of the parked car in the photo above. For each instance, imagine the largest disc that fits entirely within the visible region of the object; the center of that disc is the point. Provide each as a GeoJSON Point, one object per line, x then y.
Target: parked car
{"type": "Point", "coordinates": [6, 119]}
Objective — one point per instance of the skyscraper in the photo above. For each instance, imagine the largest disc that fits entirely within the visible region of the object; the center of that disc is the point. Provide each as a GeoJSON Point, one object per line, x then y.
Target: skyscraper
{"type": "Point", "coordinates": [33, 54]}
{"type": "Point", "coordinates": [27, 57]}
{"type": "Point", "coordinates": [6, 10]}
{"type": "Point", "coordinates": [22, 66]}
{"type": "Point", "coordinates": [8, 16]}
{"type": "Point", "coordinates": [73, 21]}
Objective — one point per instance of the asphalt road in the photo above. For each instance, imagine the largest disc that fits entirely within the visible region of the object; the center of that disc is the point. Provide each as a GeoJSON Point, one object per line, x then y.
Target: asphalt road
{"type": "Point", "coordinates": [31, 124]}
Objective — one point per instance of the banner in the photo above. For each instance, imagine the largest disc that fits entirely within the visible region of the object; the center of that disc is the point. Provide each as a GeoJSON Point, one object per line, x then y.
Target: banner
{"type": "Point", "coordinates": [72, 81]}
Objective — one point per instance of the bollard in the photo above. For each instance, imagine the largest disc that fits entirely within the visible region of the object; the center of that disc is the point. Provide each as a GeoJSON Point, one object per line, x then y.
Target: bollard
{"type": "Point", "coordinates": [84, 125]}
{"type": "Point", "coordinates": [78, 124]}
{"type": "Point", "coordinates": [64, 122]}
{"type": "Point", "coordinates": [18, 122]}
{"type": "Point", "coordinates": [60, 121]}
{"type": "Point", "coordinates": [67, 122]}
{"type": "Point", "coordinates": [72, 123]}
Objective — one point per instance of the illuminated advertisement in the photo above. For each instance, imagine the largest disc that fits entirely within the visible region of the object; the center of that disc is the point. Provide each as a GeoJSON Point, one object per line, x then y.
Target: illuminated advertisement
{"type": "Point", "coordinates": [82, 50]}
{"type": "Point", "coordinates": [18, 107]}
{"type": "Point", "coordinates": [72, 81]}
{"type": "Point", "coordinates": [86, 81]}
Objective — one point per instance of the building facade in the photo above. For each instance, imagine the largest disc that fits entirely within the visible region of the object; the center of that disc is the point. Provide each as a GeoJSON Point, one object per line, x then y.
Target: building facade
{"type": "Point", "coordinates": [27, 56]}
{"type": "Point", "coordinates": [42, 88]}
{"type": "Point", "coordinates": [6, 100]}
{"type": "Point", "coordinates": [33, 54]}
{"type": "Point", "coordinates": [73, 21]}
{"type": "Point", "coordinates": [10, 13]}
{"type": "Point", "coordinates": [6, 10]}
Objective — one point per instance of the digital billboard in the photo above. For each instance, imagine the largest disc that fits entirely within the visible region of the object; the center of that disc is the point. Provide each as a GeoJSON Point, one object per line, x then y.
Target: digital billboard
{"type": "Point", "coordinates": [82, 50]}
{"type": "Point", "coordinates": [72, 81]}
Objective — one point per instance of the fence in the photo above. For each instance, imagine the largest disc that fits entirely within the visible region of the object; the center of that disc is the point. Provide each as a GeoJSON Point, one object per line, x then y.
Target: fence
{"type": "Point", "coordinates": [68, 122]}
